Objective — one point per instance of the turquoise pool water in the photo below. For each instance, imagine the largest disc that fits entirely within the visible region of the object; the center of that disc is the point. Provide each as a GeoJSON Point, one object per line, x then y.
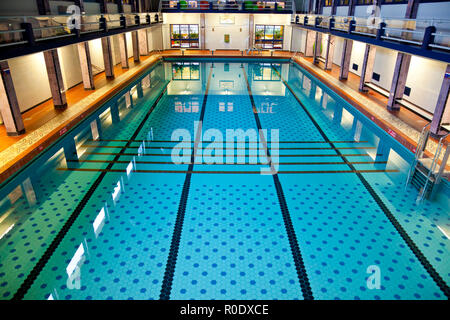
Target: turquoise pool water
{"type": "Point", "coordinates": [315, 208]}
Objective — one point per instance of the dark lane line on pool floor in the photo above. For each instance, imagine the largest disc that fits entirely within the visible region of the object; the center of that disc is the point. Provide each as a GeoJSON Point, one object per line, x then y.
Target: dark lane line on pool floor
{"type": "Point", "coordinates": [419, 255]}
{"type": "Point", "coordinates": [295, 249]}
{"type": "Point", "coordinates": [28, 282]}
{"type": "Point", "coordinates": [166, 287]}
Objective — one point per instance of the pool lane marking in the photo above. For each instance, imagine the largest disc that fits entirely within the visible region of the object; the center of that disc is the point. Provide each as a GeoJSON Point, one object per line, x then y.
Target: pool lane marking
{"type": "Point", "coordinates": [413, 247]}
{"type": "Point", "coordinates": [293, 242]}
{"type": "Point", "coordinates": [228, 156]}
{"type": "Point", "coordinates": [167, 282]}
{"type": "Point", "coordinates": [182, 148]}
{"type": "Point", "coordinates": [204, 141]}
{"type": "Point", "coordinates": [224, 171]}
{"type": "Point", "coordinates": [220, 164]}
{"type": "Point", "coordinates": [28, 282]}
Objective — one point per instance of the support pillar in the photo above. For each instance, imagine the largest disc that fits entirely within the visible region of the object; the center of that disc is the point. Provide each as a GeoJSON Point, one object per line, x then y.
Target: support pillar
{"type": "Point", "coordinates": [140, 90]}
{"type": "Point", "coordinates": [115, 116]}
{"type": "Point", "coordinates": [123, 50]}
{"type": "Point", "coordinates": [43, 7]}
{"type": "Point", "coordinates": [367, 66]}
{"type": "Point", "coordinates": [251, 30]}
{"type": "Point", "coordinates": [309, 45]}
{"type": "Point", "coordinates": [330, 52]}
{"type": "Point", "coordinates": [107, 57]}
{"type": "Point", "coordinates": [202, 32]}
{"type": "Point", "coordinates": [80, 4]}
{"type": "Point", "coordinates": [119, 5]}
{"type": "Point", "coordinates": [143, 42]}
{"type": "Point", "coordinates": [441, 104]}
{"type": "Point", "coordinates": [103, 6]}
{"type": "Point", "coordinates": [399, 80]}
{"type": "Point", "coordinates": [345, 60]}
{"type": "Point", "coordinates": [135, 42]}
{"type": "Point", "coordinates": [86, 65]}
{"type": "Point", "coordinates": [317, 46]}
{"type": "Point", "coordinates": [70, 151]}
{"type": "Point", "coordinates": [55, 78]}
{"type": "Point", "coordinates": [9, 106]}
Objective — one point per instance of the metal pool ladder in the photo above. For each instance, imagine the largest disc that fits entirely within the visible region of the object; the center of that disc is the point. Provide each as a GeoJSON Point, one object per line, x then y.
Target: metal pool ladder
{"type": "Point", "coordinates": [425, 172]}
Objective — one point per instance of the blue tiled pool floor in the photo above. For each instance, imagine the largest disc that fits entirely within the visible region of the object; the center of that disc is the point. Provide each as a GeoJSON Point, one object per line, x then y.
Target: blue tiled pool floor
{"type": "Point", "coordinates": [147, 228]}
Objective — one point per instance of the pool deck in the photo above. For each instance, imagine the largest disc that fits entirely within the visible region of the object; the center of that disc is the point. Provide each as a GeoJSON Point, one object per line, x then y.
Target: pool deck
{"type": "Point", "coordinates": [44, 124]}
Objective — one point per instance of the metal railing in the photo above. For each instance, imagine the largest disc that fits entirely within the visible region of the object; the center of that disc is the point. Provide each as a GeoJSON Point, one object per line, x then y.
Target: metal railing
{"type": "Point", "coordinates": [31, 29]}
{"type": "Point", "coordinates": [223, 5]}
{"type": "Point", "coordinates": [431, 169]}
{"type": "Point", "coordinates": [425, 33]}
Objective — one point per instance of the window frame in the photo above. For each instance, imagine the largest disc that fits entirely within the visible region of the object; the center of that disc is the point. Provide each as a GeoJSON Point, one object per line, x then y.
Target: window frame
{"type": "Point", "coordinates": [192, 42]}
{"type": "Point", "coordinates": [272, 41]}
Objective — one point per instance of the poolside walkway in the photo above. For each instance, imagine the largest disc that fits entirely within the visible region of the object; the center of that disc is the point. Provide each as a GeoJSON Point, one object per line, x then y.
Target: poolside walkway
{"type": "Point", "coordinates": [43, 121]}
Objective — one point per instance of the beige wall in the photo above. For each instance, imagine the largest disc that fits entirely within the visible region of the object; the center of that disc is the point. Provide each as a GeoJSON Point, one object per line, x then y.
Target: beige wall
{"type": "Point", "coordinates": [30, 80]}
{"type": "Point", "coordinates": [215, 32]}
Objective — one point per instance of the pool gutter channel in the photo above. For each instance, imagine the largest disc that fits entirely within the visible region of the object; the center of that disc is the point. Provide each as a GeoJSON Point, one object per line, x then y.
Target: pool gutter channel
{"type": "Point", "coordinates": [292, 238]}
{"type": "Point", "coordinates": [26, 285]}
{"type": "Point", "coordinates": [169, 273]}
{"type": "Point", "coordinates": [419, 255]}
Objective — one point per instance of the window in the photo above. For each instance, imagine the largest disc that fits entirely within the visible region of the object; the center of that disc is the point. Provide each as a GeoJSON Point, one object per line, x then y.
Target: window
{"type": "Point", "coordinates": [327, 3]}
{"type": "Point", "coordinates": [364, 2]}
{"type": "Point", "coordinates": [184, 36]}
{"type": "Point", "coordinates": [186, 71]}
{"type": "Point", "coordinates": [269, 37]}
{"type": "Point", "coordinates": [266, 72]}
{"type": "Point", "coordinates": [342, 2]}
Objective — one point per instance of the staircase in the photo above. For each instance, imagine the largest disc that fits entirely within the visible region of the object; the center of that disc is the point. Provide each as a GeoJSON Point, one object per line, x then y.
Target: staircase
{"type": "Point", "coordinates": [426, 172]}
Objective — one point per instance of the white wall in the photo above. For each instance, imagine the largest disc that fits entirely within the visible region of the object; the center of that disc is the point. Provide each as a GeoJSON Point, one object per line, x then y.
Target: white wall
{"type": "Point", "coordinates": [384, 65]}
{"type": "Point", "coordinates": [70, 65]}
{"type": "Point", "coordinates": [298, 40]}
{"type": "Point", "coordinates": [18, 7]}
{"type": "Point", "coordinates": [239, 32]}
{"type": "Point", "coordinates": [30, 80]}
{"type": "Point", "coordinates": [357, 56]}
{"type": "Point", "coordinates": [425, 79]}
{"type": "Point", "coordinates": [95, 48]}
{"type": "Point", "coordinates": [436, 10]}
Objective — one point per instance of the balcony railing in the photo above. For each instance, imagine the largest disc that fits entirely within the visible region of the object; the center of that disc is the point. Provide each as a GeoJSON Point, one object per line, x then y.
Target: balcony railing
{"type": "Point", "coordinates": [285, 6]}
{"type": "Point", "coordinates": [423, 33]}
{"type": "Point", "coordinates": [34, 29]}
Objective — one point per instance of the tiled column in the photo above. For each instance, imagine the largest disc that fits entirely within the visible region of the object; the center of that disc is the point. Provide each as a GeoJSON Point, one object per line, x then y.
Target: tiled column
{"type": "Point", "coordinates": [103, 6]}
{"type": "Point", "coordinates": [330, 52]}
{"type": "Point", "coordinates": [140, 91]}
{"type": "Point", "coordinates": [70, 151]}
{"type": "Point", "coordinates": [143, 42]}
{"type": "Point", "coordinates": [135, 42]}
{"type": "Point", "coordinates": [399, 80]}
{"type": "Point", "coordinates": [43, 6]}
{"type": "Point", "coordinates": [367, 66]}
{"type": "Point", "coordinates": [123, 50]}
{"type": "Point", "coordinates": [55, 78]}
{"type": "Point", "coordinates": [309, 45]}
{"type": "Point", "coordinates": [107, 57]}
{"type": "Point", "coordinates": [202, 31]}
{"type": "Point", "coordinates": [115, 116]}
{"type": "Point", "coordinates": [86, 65]}
{"type": "Point", "coordinates": [345, 60]}
{"type": "Point", "coordinates": [317, 45]}
{"type": "Point", "coordinates": [441, 103]}
{"type": "Point", "coordinates": [251, 29]}
{"type": "Point", "coordinates": [9, 106]}
{"type": "Point", "coordinates": [80, 3]}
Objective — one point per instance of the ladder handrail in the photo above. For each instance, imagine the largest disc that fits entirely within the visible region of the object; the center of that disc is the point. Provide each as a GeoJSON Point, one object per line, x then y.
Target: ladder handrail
{"type": "Point", "coordinates": [419, 151]}
{"type": "Point", "coordinates": [444, 159]}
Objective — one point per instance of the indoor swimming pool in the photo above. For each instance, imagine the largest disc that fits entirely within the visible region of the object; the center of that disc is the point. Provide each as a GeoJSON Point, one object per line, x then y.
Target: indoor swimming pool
{"type": "Point", "coordinates": [279, 189]}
